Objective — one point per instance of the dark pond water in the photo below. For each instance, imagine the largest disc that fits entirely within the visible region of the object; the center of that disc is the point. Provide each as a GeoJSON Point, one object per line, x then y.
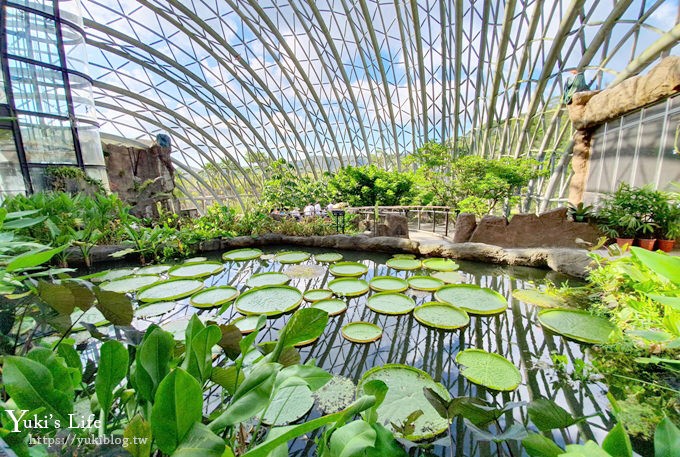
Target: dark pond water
{"type": "Point", "coordinates": [514, 334]}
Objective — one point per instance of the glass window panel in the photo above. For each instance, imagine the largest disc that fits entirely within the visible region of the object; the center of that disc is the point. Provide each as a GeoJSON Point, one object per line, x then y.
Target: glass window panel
{"type": "Point", "coordinates": [41, 5]}
{"type": "Point", "coordinates": [47, 140]}
{"type": "Point", "coordinates": [32, 36]}
{"type": "Point", "coordinates": [627, 144]}
{"type": "Point", "coordinates": [90, 144]}
{"type": "Point", "coordinates": [71, 10]}
{"type": "Point", "coordinates": [38, 89]}
{"type": "Point", "coordinates": [98, 174]}
{"type": "Point", "coordinates": [648, 152]}
{"type": "Point", "coordinates": [609, 162]}
{"type": "Point", "coordinates": [3, 94]}
{"type": "Point", "coordinates": [11, 179]}
{"type": "Point", "coordinates": [75, 49]}
{"type": "Point", "coordinates": [82, 97]}
{"type": "Point", "coordinates": [670, 165]}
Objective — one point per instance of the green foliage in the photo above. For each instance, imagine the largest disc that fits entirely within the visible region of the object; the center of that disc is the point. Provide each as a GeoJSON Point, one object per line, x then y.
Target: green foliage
{"type": "Point", "coordinates": [370, 185]}
{"type": "Point", "coordinates": [285, 189]}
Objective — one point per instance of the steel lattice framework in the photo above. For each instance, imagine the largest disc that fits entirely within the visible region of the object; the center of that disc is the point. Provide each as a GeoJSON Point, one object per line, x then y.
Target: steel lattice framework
{"type": "Point", "coordinates": [329, 83]}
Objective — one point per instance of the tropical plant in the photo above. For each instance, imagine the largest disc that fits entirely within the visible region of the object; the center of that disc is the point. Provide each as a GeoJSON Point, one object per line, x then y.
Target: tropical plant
{"type": "Point", "coordinates": [666, 215]}
{"type": "Point", "coordinates": [370, 185]}
{"type": "Point", "coordinates": [284, 188]}
{"type": "Point", "coordinates": [580, 212]}
{"type": "Point", "coordinates": [629, 211]}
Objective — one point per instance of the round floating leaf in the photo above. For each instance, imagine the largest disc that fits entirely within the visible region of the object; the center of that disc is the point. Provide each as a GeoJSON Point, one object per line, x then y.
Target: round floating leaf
{"type": "Point", "coordinates": [214, 296]}
{"type": "Point", "coordinates": [247, 324]}
{"type": "Point", "coordinates": [337, 394]}
{"type": "Point", "coordinates": [91, 316]}
{"type": "Point", "coordinates": [405, 395]}
{"type": "Point", "coordinates": [314, 295]}
{"type": "Point", "coordinates": [240, 255]}
{"type": "Point", "coordinates": [361, 332]}
{"type": "Point", "coordinates": [439, 264]}
{"type": "Point", "coordinates": [169, 290]}
{"type": "Point", "coordinates": [404, 256]}
{"type": "Point", "coordinates": [195, 270]}
{"type": "Point", "coordinates": [155, 309]}
{"type": "Point", "coordinates": [268, 300]}
{"type": "Point", "coordinates": [114, 274]}
{"type": "Point", "coordinates": [348, 269]}
{"type": "Point", "coordinates": [489, 370]}
{"type": "Point", "coordinates": [196, 260]}
{"type": "Point", "coordinates": [333, 306]}
{"type": "Point", "coordinates": [577, 324]}
{"type": "Point", "coordinates": [388, 284]}
{"type": "Point", "coordinates": [449, 277]}
{"type": "Point", "coordinates": [441, 315]}
{"type": "Point", "coordinates": [271, 278]}
{"type": "Point", "coordinates": [425, 283]}
{"type": "Point", "coordinates": [348, 287]}
{"type": "Point", "coordinates": [177, 327]}
{"type": "Point", "coordinates": [328, 257]}
{"type": "Point", "coordinates": [305, 271]}
{"type": "Point", "coordinates": [153, 269]}
{"type": "Point", "coordinates": [472, 298]}
{"type": "Point", "coordinates": [289, 404]}
{"type": "Point", "coordinates": [538, 298]}
{"type": "Point", "coordinates": [306, 342]}
{"type": "Point", "coordinates": [403, 264]}
{"type": "Point", "coordinates": [130, 284]}
{"type": "Point", "coordinates": [292, 257]}
{"type": "Point", "coordinates": [390, 303]}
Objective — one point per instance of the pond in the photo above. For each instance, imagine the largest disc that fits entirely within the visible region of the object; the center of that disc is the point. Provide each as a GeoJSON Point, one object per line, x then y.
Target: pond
{"type": "Point", "coordinates": [515, 334]}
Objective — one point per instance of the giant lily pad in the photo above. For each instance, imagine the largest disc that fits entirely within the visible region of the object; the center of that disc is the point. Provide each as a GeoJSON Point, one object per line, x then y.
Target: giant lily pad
{"type": "Point", "coordinates": [177, 327]}
{"type": "Point", "coordinates": [361, 332]}
{"type": "Point", "coordinates": [240, 255]}
{"type": "Point", "coordinates": [425, 283]}
{"type": "Point", "coordinates": [538, 298]}
{"type": "Point", "coordinates": [271, 278]}
{"type": "Point", "coordinates": [404, 256]}
{"type": "Point", "coordinates": [314, 295]}
{"type": "Point", "coordinates": [304, 271]}
{"type": "Point", "coordinates": [439, 264]}
{"type": "Point", "coordinates": [328, 257]}
{"type": "Point", "coordinates": [195, 260]}
{"type": "Point", "coordinates": [333, 306]}
{"type": "Point", "coordinates": [441, 315]}
{"type": "Point", "coordinates": [195, 270]}
{"type": "Point", "coordinates": [388, 284]}
{"type": "Point", "coordinates": [337, 394]}
{"type": "Point", "coordinates": [155, 309]}
{"type": "Point", "coordinates": [247, 324]}
{"type": "Point", "coordinates": [114, 274]}
{"type": "Point", "coordinates": [130, 284]}
{"type": "Point", "coordinates": [472, 298]}
{"type": "Point", "coordinates": [290, 403]}
{"type": "Point", "coordinates": [449, 277]}
{"type": "Point", "coordinates": [348, 287]}
{"type": "Point", "coordinates": [403, 264]}
{"type": "Point", "coordinates": [91, 316]}
{"type": "Point", "coordinates": [390, 303]}
{"type": "Point", "coordinates": [268, 300]}
{"type": "Point", "coordinates": [405, 395]}
{"type": "Point", "coordinates": [153, 269]}
{"type": "Point", "coordinates": [292, 257]}
{"type": "Point", "coordinates": [169, 290]}
{"type": "Point", "coordinates": [214, 296]}
{"type": "Point", "coordinates": [348, 269]}
{"type": "Point", "coordinates": [577, 324]}
{"type": "Point", "coordinates": [489, 370]}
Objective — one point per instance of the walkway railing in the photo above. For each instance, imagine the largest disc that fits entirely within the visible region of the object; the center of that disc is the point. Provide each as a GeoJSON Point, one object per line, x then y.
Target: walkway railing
{"type": "Point", "coordinates": [435, 219]}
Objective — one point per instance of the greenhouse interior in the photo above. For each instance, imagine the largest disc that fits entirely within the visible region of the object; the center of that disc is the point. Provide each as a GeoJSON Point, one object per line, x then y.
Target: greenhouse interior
{"type": "Point", "coordinates": [340, 228]}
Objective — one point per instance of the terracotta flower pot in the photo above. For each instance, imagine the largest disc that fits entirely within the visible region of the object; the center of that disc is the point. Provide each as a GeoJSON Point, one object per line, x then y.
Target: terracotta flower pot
{"type": "Point", "coordinates": [647, 243]}
{"type": "Point", "coordinates": [666, 245]}
{"type": "Point", "coordinates": [624, 243]}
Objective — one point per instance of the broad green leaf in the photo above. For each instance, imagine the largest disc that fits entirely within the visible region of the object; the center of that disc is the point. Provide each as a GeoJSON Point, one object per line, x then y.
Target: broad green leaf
{"type": "Point", "coordinates": [17, 224]}
{"type": "Point", "coordinates": [514, 432]}
{"type": "Point", "coordinates": [200, 358]}
{"type": "Point", "coordinates": [200, 442]}
{"type": "Point", "coordinates": [152, 362]}
{"type": "Point", "coordinates": [315, 377]}
{"type": "Point", "coordinates": [113, 366]}
{"type": "Point", "coordinates": [672, 302]}
{"type": "Point", "coordinates": [57, 365]}
{"type": "Point", "coordinates": [385, 444]}
{"type": "Point", "coordinates": [138, 434]}
{"type": "Point", "coordinates": [539, 446]}
{"type": "Point", "coordinates": [617, 443]}
{"type": "Point", "coordinates": [58, 296]}
{"type": "Point", "coordinates": [274, 432]}
{"type": "Point", "coordinates": [32, 258]}
{"type": "Point", "coordinates": [72, 359]}
{"type": "Point", "coordinates": [660, 263]}
{"type": "Point", "coordinates": [116, 307]}
{"type": "Point", "coordinates": [31, 386]}
{"type": "Point", "coordinates": [229, 378]}
{"type": "Point", "coordinates": [290, 401]}
{"type": "Point", "coordinates": [378, 389]}
{"type": "Point", "coordinates": [666, 439]}
{"type": "Point", "coordinates": [231, 337]}
{"type": "Point", "coordinates": [589, 449]}
{"type": "Point", "coordinates": [178, 406]}
{"type": "Point", "coordinates": [19, 214]}
{"type": "Point", "coordinates": [306, 324]}
{"type": "Point", "coordinates": [352, 439]}
{"type": "Point", "coordinates": [548, 415]}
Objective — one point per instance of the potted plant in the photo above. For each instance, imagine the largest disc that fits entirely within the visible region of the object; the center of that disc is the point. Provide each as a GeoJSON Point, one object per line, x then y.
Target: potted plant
{"type": "Point", "coordinates": [667, 218]}
{"type": "Point", "coordinates": [623, 213]}
{"type": "Point", "coordinates": [580, 212]}
{"type": "Point", "coordinates": [645, 229]}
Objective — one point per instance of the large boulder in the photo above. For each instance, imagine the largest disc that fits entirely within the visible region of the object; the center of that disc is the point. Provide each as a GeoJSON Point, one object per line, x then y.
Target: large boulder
{"type": "Point", "coordinates": [466, 223]}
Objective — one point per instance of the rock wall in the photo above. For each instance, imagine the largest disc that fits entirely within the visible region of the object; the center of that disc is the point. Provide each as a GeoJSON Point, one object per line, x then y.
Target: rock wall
{"type": "Point", "coordinates": [142, 177]}
{"type": "Point", "coordinates": [550, 229]}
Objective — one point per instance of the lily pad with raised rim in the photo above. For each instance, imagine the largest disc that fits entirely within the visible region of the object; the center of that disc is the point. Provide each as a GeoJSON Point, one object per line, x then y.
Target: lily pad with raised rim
{"type": "Point", "coordinates": [404, 256]}
{"type": "Point", "coordinates": [403, 264]}
{"type": "Point", "coordinates": [449, 277]}
{"type": "Point", "coordinates": [489, 370]}
{"type": "Point", "coordinates": [314, 295]}
{"type": "Point", "coordinates": [405, 395]}
{"type": "Point", "coordinates": [91, 316]}
{"type": "Point", "coordinates": [241, 255]}
{"type": "Point", "coordinates": [578, 325]}
{"type": "Point", "coordinates": [177, 327]}
{"type": "Point", "coordinates": [153, 269]}
{"type": "Point", "coordinates": [247, 324]}
{"type": "Point", "coordinates": [328, 257]}
{"type": "Point", "coordinates": [439, 264]}
{"type": "Point", "coordinates": [354, 269]}
{"type": "Point", "coordinates": [292, 257]}
{"type": "Point", "coordinates": [195, 270]}
{"type": "Point", "coordinates": [441, 316]}
{"type": "Point", "coordinates": [114, 274]}
{"type": "Point", "coordinates": [390, 303]}
{"type": "Point", "coordinates": [155, 309]}
{"type": "Point", "coordinates": [425, 283]}
{"type": "Point", "coordinates": [213, 297]}
{"type": "Point", "coordinates": [196, 260]}
{"type": "Point", "coordinates": [268, 300]}
{"type": "Point", "coordinates": [270, 278]}
{"type": "Point", "coordinates": [361, 332]}
{"type": "Point", "coordinates": [333, 306]}
{"type": "Point", "coordinates": [388, 284]}
{"type": "Point", "coordinates": [173, 289]}
{"type": "Point", "coordinates": [348, 287]}
{"type": "Point", "coordinates": [538, 298]}
{"type": "Point", "coordinates": [130, 283]}
{"type": "Point", "coordinates": [472, 298]}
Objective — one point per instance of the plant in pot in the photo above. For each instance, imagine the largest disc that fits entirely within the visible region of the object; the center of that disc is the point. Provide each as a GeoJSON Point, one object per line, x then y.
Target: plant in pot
{"type": "Point", "coordinates": [645, 234]}
{"type": "Point", "coordinates": [667, 218]}
{"type": "Point", "coordinates": [619, 215]}
{"type": "Point", "coordinates": [580, 212]}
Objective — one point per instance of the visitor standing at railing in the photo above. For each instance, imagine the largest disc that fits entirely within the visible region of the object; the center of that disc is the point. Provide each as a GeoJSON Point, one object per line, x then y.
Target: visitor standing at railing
{"type": "Point", "coordinates": [317, 209]}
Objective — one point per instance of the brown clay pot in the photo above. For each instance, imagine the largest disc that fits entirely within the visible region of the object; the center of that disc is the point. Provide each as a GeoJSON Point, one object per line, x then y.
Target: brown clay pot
{"type": "Point", "coordinates": [647, 243]}
{"type": "Point", "coordinates": [666, 245]}
{"type": "Point", "coordinates": [624, 243]}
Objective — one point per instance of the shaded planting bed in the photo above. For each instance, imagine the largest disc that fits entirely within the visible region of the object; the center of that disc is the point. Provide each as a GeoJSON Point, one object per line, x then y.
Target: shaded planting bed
{"type": "Point", "coordinates": [514, 333]}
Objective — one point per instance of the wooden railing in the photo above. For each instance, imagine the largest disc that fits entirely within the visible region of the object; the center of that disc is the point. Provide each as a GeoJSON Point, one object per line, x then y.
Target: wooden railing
{"type": "Point", "coordinates": [436, 219]}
